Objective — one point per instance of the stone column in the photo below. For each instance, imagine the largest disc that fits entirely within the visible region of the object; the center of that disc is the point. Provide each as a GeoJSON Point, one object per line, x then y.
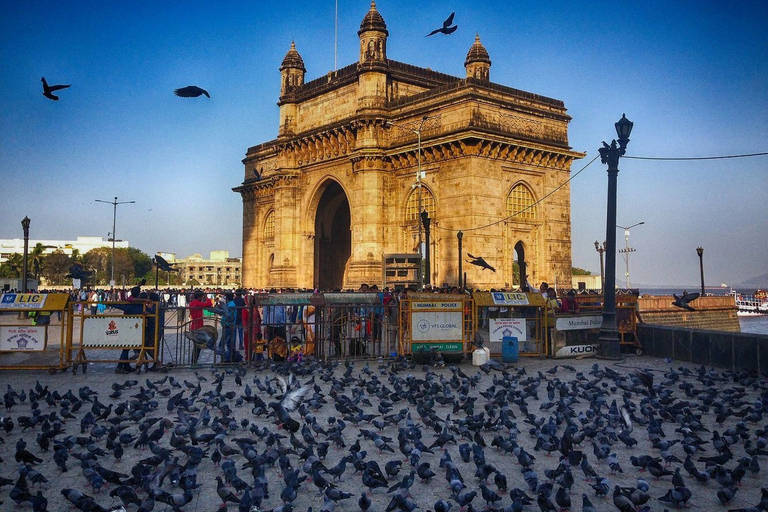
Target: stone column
{"type": "Point", "coordinates": [367, 219]}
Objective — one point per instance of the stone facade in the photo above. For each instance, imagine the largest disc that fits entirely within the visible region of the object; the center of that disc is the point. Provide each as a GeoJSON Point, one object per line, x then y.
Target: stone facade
{"type": "Point", "coordinates": [339, 187]}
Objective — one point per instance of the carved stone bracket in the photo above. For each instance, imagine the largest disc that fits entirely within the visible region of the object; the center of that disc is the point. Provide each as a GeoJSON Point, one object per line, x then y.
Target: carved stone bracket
{"type": "Point", "coordinates": [316, 147]}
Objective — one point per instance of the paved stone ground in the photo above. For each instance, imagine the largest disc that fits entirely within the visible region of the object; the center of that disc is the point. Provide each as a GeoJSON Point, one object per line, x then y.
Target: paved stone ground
{"type": "Point", "coordinates": [740, 393]}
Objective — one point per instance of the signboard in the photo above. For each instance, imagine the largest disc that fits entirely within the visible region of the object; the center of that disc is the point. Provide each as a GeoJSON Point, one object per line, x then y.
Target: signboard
{"type": "Point", "coordinates": [577, 350]}
{"type": "Point", "coordinates": [576, 323]}
{"type": "Point", "coordinates": [500, 327]}
{"type": "Point", "coordinates": [22, 301]}
{"type": "Point", "coordinates": [442, 347]}
{"type": "Point", "coordinates": [510, 299]}
{"type": "Point", "coordinates": [117, 331]}
{"type": "Point", "coordinates": [437, 320]}
{"type": "Point", "coordinates": [436, 326]}
{"type": "Point", "coordinates": [22, 338]}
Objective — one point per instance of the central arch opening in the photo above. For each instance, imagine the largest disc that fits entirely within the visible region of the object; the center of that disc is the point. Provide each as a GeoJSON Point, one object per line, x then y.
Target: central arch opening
{"type": "Point", "coordinates": [333, 237]}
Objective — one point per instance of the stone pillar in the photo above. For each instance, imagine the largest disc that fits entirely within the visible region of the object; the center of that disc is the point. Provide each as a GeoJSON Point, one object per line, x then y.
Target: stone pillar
{"type": "Point", "coordinates": [367, 218]}
{"type": "Point", "coordinates": [284, 271]}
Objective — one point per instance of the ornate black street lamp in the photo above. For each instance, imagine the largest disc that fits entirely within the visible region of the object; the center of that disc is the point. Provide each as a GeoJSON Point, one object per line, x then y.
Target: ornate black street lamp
{"type": "Point", "coordinates": [460, 236]}
{"type": "Point", "coordinates": [426, 221]}
{"type": "Point", "coordinates": [601, 249]}
{"type": "Point", "coordinates": [700, 252]}
{"type": "Point", "coordinates": [25, 225]}
{"type": "Point", "coordinates": [610, 154]}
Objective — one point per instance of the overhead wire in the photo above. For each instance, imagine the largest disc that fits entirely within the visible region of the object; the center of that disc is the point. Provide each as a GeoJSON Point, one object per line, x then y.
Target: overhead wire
{"type": "Point", "coordinates": [660, 158]}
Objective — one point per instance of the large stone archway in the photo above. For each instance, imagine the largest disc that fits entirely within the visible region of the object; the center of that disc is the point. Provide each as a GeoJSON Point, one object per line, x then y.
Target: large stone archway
{"type": "Point", "coordinates": [333, 240]}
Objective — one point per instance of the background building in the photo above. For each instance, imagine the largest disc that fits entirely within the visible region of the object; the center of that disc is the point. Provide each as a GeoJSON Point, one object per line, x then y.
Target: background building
{"type": "Point", "coordinates": [339, 188]}
{"type": "Point", "coordinates": [83, 244]}
{"type": "Point", "coordinates": [217, 270]}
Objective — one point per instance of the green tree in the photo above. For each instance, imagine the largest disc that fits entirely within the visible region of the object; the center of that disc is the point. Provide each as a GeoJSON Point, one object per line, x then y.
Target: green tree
{"type": "Point", "coordinates": [36, 258]}
{"type": "Point", "coordinates": [142, 263]}
{"type": "Point", "coordinates": [55, 267]}
{"type": "Point", "coordinates": [13, 267]}
{"type": "Point", "coordinates": [576, 271]}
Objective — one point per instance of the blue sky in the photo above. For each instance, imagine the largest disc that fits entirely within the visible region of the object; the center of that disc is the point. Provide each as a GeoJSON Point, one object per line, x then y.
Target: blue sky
{"type": "Point", "coordinates": [692, 76]}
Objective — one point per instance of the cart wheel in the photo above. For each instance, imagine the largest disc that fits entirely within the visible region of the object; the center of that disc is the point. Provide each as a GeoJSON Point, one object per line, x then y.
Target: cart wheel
{"type": "Point", "coordinates": [164, 369]}
{"type": "Point", "coordinates": [639, 351]}
{"type": "Point", "coordinates": [52, 371]}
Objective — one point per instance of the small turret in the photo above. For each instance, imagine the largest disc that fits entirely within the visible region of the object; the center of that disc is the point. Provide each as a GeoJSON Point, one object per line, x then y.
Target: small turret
{"type": "Point", "coordinates": [373, 37]}
{"type": "Point", "coordinates": [478, 62]}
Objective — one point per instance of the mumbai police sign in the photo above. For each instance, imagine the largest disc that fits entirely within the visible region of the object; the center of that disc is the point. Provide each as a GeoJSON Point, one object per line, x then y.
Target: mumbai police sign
{"type": "Point", "coordinates": [18, 338]}
{"type": "Point", "coordinates": [22, 301]}
{"type": "Point", "coordinates": [501, 327]}
{"type": "Point", "coordinates": [577, 323]}
{"type": "Point", "coordinates": [437, 321]}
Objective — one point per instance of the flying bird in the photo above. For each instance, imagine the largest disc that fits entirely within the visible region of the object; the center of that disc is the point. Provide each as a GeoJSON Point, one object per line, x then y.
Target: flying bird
{"type": "Point", "coordinates": [682, 302]}
{"type": "Point", "coordinates": [48, 89]}
{"type": "Point", "coordinates": [480, 262]}
{"type": "Point", "coordinates": [446, 28]}
{"type": "Point", "coordinates": [162, 264]}
{"type": "Point", "coordinates": [191, 91]}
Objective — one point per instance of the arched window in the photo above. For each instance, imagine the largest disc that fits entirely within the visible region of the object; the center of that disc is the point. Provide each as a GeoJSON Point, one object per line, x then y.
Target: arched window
{"type": "Point", "coordinates": [521, 204]}
{"type": "Point", "coordinates": [269, 226]}
{"type": "Point", "coordinates": [412, 205]}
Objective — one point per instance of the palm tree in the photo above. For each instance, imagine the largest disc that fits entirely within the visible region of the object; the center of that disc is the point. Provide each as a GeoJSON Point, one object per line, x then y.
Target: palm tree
{"type": "Point", "coordinates": [13, 267]}
{"type": "Point", "coordinates": [37, 258]}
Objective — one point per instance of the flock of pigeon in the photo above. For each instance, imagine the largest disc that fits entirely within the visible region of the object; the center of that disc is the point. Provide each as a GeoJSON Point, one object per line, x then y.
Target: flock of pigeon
{"type": "Point", "coordinates": [389, 436]}
{"type": "Point", "coordinates": [193, 91]}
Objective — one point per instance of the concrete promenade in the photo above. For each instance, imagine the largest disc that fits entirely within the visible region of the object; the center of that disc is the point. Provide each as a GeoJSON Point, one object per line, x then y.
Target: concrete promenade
{"type": "Point", "coordinates": [684, 398]}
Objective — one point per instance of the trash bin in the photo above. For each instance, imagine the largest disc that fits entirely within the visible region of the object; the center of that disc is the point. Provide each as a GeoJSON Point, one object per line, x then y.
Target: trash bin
{"type": "Point", "coordinates": [509, 349]}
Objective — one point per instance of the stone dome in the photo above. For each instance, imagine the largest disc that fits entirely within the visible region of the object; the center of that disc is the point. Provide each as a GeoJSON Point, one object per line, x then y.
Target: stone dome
{"type": "Point", "coordinates": [373, 21]}
{"type": "Point", "coordinates": [477, 53]}
{"type": "Point", "coordinates": [292, 59]}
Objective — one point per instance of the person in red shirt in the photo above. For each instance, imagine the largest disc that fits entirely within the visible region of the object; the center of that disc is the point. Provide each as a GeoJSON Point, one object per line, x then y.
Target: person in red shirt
{"type": "Point", "coordinates": [196, 307]}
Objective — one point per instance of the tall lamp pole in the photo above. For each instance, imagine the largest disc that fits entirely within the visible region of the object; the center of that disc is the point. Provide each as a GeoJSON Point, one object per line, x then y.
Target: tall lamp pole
{"type": "Point", "coordinates": [419, 176]}
{"type": "Point", "coordinates": [25, 226]}
{"type": "Point", "coordinates": [627, 249]}
{"type": "Point", "coordinates": [460, 236]}
{"type": "Point", "coordinates": [610, 154]}
{"type": "Point", "coordinates": [601, 249]}
{"type": "Point", "coordinates": [114, 221]}
{"type": "Point", "coordinates": [700, 252]}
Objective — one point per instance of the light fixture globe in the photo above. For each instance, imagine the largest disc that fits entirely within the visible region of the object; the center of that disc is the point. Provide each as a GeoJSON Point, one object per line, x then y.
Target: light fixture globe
{"type": "Point", "coordinates": [624, 128]}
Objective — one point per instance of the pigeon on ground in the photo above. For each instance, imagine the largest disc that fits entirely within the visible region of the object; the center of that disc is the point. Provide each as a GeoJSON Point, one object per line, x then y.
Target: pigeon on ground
{"type": "Point", "coordinates": [191, 91]}
{"type": "Point", "coordinates": [48, 89]}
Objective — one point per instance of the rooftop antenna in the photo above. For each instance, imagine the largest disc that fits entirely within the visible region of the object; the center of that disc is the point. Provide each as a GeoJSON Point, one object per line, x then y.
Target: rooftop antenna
{"type": "Point", "coordinates": [335, 36]}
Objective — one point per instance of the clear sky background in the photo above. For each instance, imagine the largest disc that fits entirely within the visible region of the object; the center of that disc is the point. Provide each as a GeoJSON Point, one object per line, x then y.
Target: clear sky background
{"type": "Point", "coordinates": [692, 76]}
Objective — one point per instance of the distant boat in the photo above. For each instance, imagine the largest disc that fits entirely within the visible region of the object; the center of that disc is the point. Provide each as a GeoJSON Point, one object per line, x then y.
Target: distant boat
{"type": "Point", "coordinates": [752, 305]}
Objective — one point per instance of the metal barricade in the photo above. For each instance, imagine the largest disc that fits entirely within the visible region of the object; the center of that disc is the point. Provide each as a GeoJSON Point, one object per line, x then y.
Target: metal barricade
{"type": "Point", "coordinates": [520, 315]}
{"type": "Point", "coordinates": [436, 322]}
{"type": "Point", "coordinates": [109, 331]}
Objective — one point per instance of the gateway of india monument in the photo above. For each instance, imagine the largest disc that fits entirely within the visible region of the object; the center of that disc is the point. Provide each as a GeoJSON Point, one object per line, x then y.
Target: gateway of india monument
{"type": "Point", "coordinates": [335, 200]}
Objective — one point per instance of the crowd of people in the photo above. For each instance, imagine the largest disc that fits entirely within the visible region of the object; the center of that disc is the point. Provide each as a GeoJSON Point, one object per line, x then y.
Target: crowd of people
{"type": "Point", "coordinates": [284, 331]}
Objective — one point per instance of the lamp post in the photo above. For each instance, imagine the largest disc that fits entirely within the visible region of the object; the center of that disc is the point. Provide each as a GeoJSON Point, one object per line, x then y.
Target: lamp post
{"type": "Point", "coordinates": [700, 252]}
{"type": "Point", "coordinates": [114, 221]}
{"type": "Point", "coordinates": [627, 249]}
{"type": "Point", "coordinates": [610, 154]}
{"type": "Point", "coordinates": [426, 221]}
{"type": "Point", "coordinates": [601, 249]}
{"type": "Point", "coordinates": [460, 236]}
{"type": "Point", "coordinates": [419, 176]}
{"type": "Point", "coordinates": [25, 226]}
